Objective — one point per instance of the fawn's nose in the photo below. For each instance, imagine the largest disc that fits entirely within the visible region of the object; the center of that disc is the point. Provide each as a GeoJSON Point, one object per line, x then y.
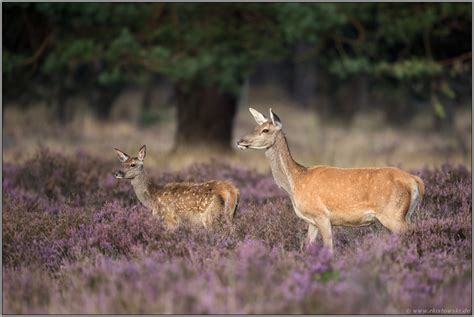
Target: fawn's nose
{"type": "Point", "coordinates": [119, 174]}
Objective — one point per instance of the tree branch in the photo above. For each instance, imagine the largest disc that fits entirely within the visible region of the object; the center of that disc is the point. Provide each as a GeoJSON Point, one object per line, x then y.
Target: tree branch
{"type": "Point", "coordinates": [39, 52]}
{"type": "Point", "coordinates": [460, 58]}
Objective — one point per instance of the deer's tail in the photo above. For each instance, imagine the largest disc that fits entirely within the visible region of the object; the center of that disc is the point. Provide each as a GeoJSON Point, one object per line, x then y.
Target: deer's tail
{"type": "Point", "coordinates": [417, 194]}
{"type": "Point", "coordinates": [421, 186]}
{"type": "Point", "coordinates": [231, 196]}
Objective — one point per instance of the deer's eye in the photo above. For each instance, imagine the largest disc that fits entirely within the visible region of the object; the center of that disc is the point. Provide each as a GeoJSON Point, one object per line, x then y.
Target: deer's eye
{"type": "Point", "coordinates": [265, 131]}
{"type": "Point", "coordinates": [132, 165]}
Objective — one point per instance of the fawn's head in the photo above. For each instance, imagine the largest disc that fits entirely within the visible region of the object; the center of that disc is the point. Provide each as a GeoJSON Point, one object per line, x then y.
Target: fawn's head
{"type": "Point", "coordinates": [131, 166]}
{"type": "Point", "coordinates": [264, 134]}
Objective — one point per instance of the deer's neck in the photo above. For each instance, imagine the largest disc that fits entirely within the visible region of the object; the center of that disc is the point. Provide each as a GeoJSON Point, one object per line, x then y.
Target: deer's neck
{"type": "Point", "coordinates": [284, 168]}
{"type": "Point", "coordinates": [142, 185]}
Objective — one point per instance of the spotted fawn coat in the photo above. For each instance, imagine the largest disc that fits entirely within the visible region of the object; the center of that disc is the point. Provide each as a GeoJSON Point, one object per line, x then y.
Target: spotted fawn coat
{"type": "Point", "coordinates": [197, 203]}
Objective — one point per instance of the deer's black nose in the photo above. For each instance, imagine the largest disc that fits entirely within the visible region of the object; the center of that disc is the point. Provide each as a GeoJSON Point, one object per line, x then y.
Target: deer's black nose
{"type": "Point", "coordinates": [241, 144]}
{"type": "Point", "coordinates": [119, 174]}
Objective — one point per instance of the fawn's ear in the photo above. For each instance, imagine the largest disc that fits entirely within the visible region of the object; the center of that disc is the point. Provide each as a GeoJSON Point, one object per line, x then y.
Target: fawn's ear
{"type": "Point", "coordinates": [142, 153]}
{"type": "Point", "coordinates": [259, 117]}
{"type": "Point", "coordinates": [275, 120]}
{"type": "Point", "coordinates": [121, 155]}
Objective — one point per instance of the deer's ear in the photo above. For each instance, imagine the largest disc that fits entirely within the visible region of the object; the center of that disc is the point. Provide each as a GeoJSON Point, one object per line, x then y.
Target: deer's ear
{"type": "Point", "coordinates": [142, 153]}
{"type": "Point", "coordinates": [259, 117]}
{"type": "Point", "coordinates": [275, 119]}
{"type": "Point", "coordinates": [121, 155]}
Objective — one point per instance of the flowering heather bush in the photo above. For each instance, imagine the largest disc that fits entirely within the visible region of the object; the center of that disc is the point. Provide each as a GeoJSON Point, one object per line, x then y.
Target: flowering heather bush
{"type": "Point", "coordinates": [75, 240]}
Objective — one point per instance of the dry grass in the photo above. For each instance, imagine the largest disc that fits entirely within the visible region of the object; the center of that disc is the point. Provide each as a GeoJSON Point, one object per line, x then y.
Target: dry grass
{"type": "Point", "coordinates": [367, 142]}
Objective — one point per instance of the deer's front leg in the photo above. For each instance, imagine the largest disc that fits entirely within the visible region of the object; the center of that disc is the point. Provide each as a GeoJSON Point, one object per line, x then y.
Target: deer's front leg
{"type": "Point", "coordinates": [312, 234]}
{"type": "Point", "coordinates": [324, 226]}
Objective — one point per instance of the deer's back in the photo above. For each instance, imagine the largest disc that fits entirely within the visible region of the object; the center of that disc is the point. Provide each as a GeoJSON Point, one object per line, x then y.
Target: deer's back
{"type": "Point", "coordinates": [191, 198]}
{"type": "Point", "coordinates": [351, 188]}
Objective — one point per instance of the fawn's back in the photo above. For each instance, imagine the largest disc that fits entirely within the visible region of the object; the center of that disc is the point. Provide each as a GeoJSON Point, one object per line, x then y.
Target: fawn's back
{"type": "Point", "coordinates": [196, 202]}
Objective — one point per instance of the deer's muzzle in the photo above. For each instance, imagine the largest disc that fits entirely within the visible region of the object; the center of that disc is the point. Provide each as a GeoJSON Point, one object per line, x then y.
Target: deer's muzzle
{"type": "Point", "coordinates": [119, 174]}
{"type": "Point", "coordinates": [241, 144]}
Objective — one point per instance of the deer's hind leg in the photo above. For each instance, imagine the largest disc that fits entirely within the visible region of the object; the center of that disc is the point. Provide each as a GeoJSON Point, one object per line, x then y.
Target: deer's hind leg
{"type": "Point", "coordinates": [231, 202]}
{"type": "Point", "coordinates": [229, 195]}
{"type": "Point", "coordinates": [210, 213]}
{"type": "Point", "coordinates": [170, 220]}
{"type": "Point", "coordinates": [395, 225]}
{"type": "Point", "coordinates": [235, 201]}
{"type": "Point", "coordinates": [393, 216]}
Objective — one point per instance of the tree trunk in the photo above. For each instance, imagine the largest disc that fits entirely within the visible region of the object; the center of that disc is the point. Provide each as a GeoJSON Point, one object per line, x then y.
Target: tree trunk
{"type": "Point", "coordinates": [59, 99]}
{"type": "Point", "coordinates": [102, 99]}
{"type": "Point", "coordinates": [205, 118]}
{"type": "Point", "coordinates": [148, 93]}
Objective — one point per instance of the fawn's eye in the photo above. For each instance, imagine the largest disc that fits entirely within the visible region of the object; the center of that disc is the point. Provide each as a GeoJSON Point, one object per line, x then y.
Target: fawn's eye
{"type": "Point", "coordinates": [265, 131]}
{"type": "Point", "coordinates": [132, 165]}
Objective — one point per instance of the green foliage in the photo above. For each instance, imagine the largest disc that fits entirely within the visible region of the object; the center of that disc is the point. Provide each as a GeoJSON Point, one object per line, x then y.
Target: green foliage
{"type": "Point", "coordinates": [423, 47]}
{"type": "Point", "coordinates": [11, 61]}
{"type": "Point", "coordinates": [198, 45]}
{"type": "Point", "coordinates": [438, 107]}
{"type": "Point", "coordinates": [326, 276]}
{"type": "Point", "coordinates": [401, 41]}
{"type": "Point", "coordinates": [308, 19]}
{"type": "Point", "coordinates": [110, 76]}
{"type": "Point", "coordinates": [148, 118]}
{"type": "Point", "coordinates": [195, 45]}
{"type": "Point", "coordinates": [69, 54]}
{"type": "Point", "coordinates": [408, 68]}
{"type": "Point", "coordinates": [346, 67]}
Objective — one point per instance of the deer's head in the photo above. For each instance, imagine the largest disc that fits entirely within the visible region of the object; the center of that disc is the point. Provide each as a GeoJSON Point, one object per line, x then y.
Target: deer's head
{"type": "Point", "coordinates": [131, 166]}
{"type": "Point", "coordinates": [264, 135]}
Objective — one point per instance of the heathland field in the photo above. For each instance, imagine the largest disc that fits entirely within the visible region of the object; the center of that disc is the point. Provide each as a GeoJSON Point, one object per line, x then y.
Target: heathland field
{"type": "Point", "coordinates": [76, 240]}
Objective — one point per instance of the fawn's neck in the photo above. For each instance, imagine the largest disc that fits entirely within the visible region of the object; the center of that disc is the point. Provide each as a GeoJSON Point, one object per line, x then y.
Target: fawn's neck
{"type": "Point", "coordinates": [141, 184]}
{"type": "Point", "coordinates": [284, 168]}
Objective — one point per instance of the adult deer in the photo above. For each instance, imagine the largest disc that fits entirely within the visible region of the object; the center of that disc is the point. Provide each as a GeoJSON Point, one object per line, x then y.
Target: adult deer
{"type": "Point", "coordinates": [176, 202]}
{"type": "Point", "coordinates": [324, 195]}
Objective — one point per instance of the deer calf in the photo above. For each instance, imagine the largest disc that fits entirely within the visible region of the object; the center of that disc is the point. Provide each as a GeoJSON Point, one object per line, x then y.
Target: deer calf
{"type": "Point", "coordinates": [176, 202]}
{"type": "Point", "coordinates": [324, 195]}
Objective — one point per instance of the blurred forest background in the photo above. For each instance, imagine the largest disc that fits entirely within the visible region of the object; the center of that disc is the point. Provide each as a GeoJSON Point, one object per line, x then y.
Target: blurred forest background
{"type": "Point", "coordinates": [355, 84]}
